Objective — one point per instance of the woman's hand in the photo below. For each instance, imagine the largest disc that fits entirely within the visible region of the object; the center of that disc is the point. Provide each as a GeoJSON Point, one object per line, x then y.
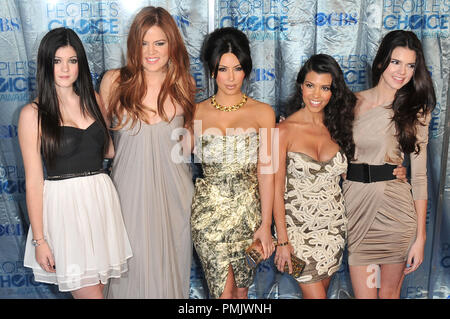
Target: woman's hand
{"type": "Point", "coordinates": [44, 257]}
{"type": "Point", "coordinates": [283, 256]}
{"type": "Point", "coordinates": [415, 256]}
{"type": "Point", "coordinates": [400, 173]}
{"type": "Point", "coordinates": [265, 236]}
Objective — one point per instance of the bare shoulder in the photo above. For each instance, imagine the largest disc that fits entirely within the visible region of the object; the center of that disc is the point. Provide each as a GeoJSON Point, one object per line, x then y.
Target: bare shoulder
{"type": "Point", "coordinates": [110, 77]}
{"type": "Point", "coordinates": [201, 108]}
{"type": "Point", "coordinates": [108, 81]}
{"type": "Point", "coordinates": [29, 113]}
{"type": "Point", "coordinates": [107, 86]}
{"type": "Point", "coordinates": [205, 103]}
{"type": "Point", "coordinates": [99, 100]}
{"type": "Point", "coordinates": [28, 121]}
{"type": "Point", "coordinates": [363, 96]}
{"type": "Point", "coordinates": [260, 106]}
{"type": "Point", "coordinates": [292, 123]}
{"type": "Point", "coordinates": [263, 111]}
{"type": "Point", "coordinates": [283, 129]}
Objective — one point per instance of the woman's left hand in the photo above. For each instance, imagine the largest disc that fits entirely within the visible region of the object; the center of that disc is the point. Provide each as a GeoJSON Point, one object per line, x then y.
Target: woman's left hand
{"type": "Point", "coordinates": [400, 173]}
{"type": "Point", "coordinates": [415, 256]}
{"type": "Point", "coordinates": [265, 236]}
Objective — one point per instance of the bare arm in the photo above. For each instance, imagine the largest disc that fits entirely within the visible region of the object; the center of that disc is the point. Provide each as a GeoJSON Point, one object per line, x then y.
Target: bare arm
{"type": "Point", "coordinates": [266, 180]}
{"type": "Point", "coordinates": [188, 137]}
{"type": "Point", "coordinates": [279, 213]}
{"type": "Point", "coordinates": [29, 140]}
{"type": "Point", "coordinates": [110, 151]}
{"type": "Point", "coordinates": [106, 87]}
{"type": "Point", "coordinates": [188, 141]}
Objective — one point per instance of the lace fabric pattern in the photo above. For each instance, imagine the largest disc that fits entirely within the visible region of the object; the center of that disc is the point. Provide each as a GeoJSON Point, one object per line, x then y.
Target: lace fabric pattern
{"type": "Point", "coordinates": [315, 213]}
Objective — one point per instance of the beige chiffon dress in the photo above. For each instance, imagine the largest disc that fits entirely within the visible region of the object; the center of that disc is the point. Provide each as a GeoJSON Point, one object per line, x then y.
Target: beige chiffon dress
{"type": "Point", "coordinates": [155, 189]}
{"type": "Point", "coordinates": [382, 220]}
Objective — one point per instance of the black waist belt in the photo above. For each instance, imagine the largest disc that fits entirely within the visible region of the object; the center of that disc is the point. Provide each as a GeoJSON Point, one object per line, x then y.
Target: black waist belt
{"type": "Point", "coordinates": [366, 173]}
{"type": "Point", "coordinates": [72, 175]}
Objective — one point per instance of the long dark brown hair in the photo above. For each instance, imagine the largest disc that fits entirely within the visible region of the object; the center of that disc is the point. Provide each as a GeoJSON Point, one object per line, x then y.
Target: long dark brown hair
{"type": "Point", "coordinates": [415, 99]}
{"type": "Point", "coordinates": [49, 114]}
{"type": "Point", "coordinates": [131, 86]}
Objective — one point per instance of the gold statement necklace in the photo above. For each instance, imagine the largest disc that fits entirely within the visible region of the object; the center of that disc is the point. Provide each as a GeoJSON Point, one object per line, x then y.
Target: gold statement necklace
{"type": "Point", "coordinates": [228, 108]}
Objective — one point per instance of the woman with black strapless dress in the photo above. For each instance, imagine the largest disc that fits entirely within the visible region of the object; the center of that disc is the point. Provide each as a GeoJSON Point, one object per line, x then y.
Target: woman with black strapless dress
{"type": "Point", "coordinates": [77, 238]}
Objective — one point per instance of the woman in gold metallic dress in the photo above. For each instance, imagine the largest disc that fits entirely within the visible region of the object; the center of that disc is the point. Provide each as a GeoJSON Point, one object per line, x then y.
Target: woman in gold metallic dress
{"type": "Point", "coordinates": [232, 204]}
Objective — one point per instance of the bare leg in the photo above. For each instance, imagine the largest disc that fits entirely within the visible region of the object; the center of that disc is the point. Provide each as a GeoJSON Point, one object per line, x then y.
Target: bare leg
{"type": "Point", "coordinates": [365, 281]}
{"type": "Point", "coordinates": [91, 292]}
{"type": "Point", "coordinates": [391, 280]}
{"type": "Point", "coordinates": [316, 290]}
{"type": "Point", "coordinates": [326, 284]}
{"type": "Point", "coordinates": [231, 291]}
{"type": "Point", "coordinates": [230, 285]}
{"type": "Point", "coordinates": [242, 293]}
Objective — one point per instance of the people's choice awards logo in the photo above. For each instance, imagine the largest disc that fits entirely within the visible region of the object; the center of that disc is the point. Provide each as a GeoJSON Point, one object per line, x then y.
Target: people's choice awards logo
{"type": "Point", "coordinates": [431, 18]}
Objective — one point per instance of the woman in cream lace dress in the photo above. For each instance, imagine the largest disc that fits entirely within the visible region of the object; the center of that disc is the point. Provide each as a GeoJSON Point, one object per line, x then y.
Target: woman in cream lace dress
{"type": "Point", "coordinates": [309, 210]}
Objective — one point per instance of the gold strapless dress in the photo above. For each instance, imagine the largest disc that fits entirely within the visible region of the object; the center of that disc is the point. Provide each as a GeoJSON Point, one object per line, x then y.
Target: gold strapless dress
{"type": "Point", "coordinates": [226, 208]}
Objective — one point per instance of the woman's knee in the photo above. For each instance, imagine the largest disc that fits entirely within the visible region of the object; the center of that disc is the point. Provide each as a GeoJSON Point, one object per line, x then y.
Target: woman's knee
{"type": "Point", "coordinates": [313, 291]}
{"type": "Point", "coordinates": [388, 293]}
{"type": "Point", "coordinates": [242, 293]}
{"type": "Point", "coordinates": [91, 292]}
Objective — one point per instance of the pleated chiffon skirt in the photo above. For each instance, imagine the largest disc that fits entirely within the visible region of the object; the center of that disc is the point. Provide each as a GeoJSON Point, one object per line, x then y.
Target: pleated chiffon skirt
{"type": "Point", "coordinates": [83, 227]}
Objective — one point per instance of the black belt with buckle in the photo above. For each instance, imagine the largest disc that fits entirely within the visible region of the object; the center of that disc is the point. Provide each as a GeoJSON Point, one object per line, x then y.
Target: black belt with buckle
{"type": "Point", "coordinates": [72, 175]}
{"type": "Point", "coordinates": [366, 173]}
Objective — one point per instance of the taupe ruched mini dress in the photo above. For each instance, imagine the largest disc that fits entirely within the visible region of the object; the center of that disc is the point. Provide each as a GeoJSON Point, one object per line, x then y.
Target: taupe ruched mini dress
{"type": "Point", "coordinates": [382, 221]}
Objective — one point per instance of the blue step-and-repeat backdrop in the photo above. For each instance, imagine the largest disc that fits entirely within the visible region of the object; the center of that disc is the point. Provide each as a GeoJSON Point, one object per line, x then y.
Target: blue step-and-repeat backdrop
{"type": "Point", "coordinates": [283, 34]}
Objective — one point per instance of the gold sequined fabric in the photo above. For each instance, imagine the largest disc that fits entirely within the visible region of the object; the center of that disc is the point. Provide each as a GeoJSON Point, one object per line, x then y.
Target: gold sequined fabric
{"type": "Point", "coordinates": [226, 207]}
{"type": "Point", "coordinates": [315, 213]}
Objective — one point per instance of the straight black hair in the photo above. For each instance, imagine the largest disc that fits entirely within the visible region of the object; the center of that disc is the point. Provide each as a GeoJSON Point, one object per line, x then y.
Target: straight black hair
{"type": "Point", "coordinates": [49, 114]}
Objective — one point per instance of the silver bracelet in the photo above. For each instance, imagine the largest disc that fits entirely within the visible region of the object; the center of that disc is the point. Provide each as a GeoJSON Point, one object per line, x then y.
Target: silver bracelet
{"type": "Point", "coordinates": [35, 242]}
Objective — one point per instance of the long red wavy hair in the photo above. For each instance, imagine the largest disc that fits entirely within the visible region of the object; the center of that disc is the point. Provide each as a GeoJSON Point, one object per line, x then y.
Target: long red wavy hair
{"type": "Point", "coordinates": [131, 87]}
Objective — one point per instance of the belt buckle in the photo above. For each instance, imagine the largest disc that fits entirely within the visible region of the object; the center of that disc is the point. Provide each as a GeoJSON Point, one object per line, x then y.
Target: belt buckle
{"type": "Point", "coordinates": [367, 174]}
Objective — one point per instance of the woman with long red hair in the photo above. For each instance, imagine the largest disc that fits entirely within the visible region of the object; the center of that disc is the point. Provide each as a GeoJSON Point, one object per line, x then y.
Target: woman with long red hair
{"type": "Point", "coordinates": [147, 99]}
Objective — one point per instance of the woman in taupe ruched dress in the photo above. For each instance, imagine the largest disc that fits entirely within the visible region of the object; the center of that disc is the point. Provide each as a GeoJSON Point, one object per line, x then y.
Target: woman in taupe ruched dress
{"type": "Point", "coordinates": [386, 221]}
